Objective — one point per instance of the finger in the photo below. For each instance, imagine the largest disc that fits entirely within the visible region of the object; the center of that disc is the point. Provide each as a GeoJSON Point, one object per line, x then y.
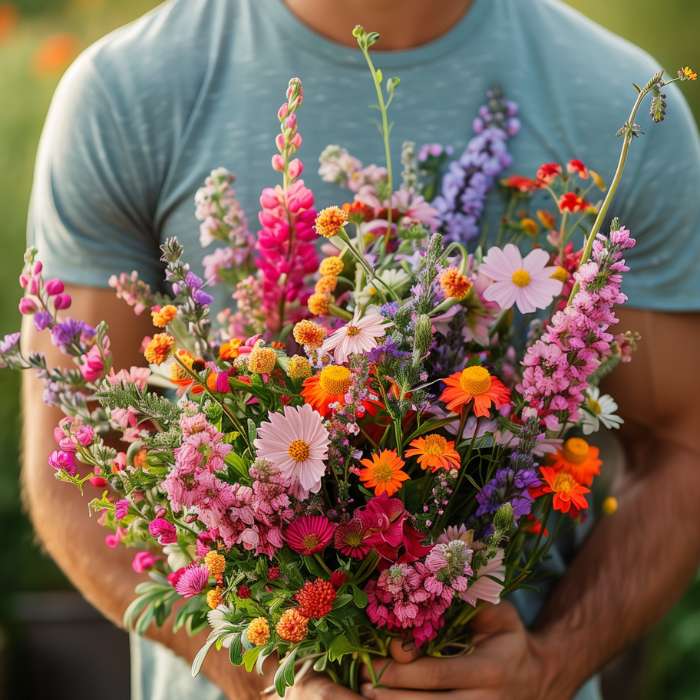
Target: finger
{"type": "Point", "coordinates": [403, 651]}
{"type": "Point", "coordinates": [318, 687]}
{"type": "Point", "coordinates": [427, 673]}
{"type": "Point", "coordinates": [494, 619]}
{"type": "Point", "coordinates": [389, 694]}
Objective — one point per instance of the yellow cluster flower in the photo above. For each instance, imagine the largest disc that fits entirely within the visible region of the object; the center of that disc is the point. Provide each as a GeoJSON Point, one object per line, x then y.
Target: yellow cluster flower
{"type": "Point", "coordinates": [159, 348]}
{"type": "Point", "coordinates": [178, 374]}
{"type": "Point", "coordinates": [329, 221]}
{"type": "Point", "coordinates": [331, 266]}
{"type": "Point", "coordinates": [687, 73]}
{"type": "Point", "coordinates": [215, 562]}
{"type": "Point", "coordinates": [163, 316]}
{"type": "Point", "coordinates": [262, 360]}
{"type": "Point", "coordinates": [258, 631]}
{"type": "Point", "coordinates": [298, 368]}
{"type": "Point", "coordinates": [309, 334]}
{"type": "Point", "coordinates": [292, 626]}
{"type": "Point", "coordinates": [454, 284]}
{"type": "Point", "coordinates": [214, 597]}
{"type": "Point", "coordinates": [319, 303]}
{"type": "Point", "coordinates": [326, 284]}
{"type": "Point", "coordinates": [230, 350]}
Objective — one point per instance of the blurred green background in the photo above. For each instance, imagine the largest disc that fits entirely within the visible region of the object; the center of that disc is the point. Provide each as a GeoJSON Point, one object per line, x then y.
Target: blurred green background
{"type": "Point", "coordinates": [38, 39]}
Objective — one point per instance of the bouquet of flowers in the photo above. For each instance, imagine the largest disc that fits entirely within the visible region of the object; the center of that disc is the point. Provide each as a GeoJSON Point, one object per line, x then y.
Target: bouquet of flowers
{"type": "Point", "coordinates": [360, 448]}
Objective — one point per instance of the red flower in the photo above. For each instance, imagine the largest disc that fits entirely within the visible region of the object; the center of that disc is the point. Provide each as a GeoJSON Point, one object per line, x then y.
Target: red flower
{"type": "Point", "coordinates": [351, 539]}
{"type": "Point", "coordinates": [548, 172]}
{"type": "Point", "coordinates": [577, 166]}
{"type": "Point", "coordinates": [521, 183]}
{"type": "Point", "coordinates": [309, 534]}
{"type": "Point", "coordinates": [338, 578]}
{"type": "Point", "coordinates": [569, 495]}
{"type": "Point", "coordinates": [316, 599]}
{"type": "Point", "coordinates": [243, 591]}
{"type": "Point", "coordinates": [570, 201]}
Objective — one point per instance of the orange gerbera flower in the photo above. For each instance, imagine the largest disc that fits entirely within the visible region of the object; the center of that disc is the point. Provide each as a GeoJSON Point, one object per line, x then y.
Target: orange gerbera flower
{"type": "Point", "coordinates": [434, 452]}
{"type": "Point", "coordinates": [578, 458]}
{"type": "Point", "coordinates": [383, 472]}
{"type": "Point", "coordinates": [328, 386]}
{"type": "Point", "coordinates": [569, 495]}
{"type": "Point", "coordinates": [475, 384]}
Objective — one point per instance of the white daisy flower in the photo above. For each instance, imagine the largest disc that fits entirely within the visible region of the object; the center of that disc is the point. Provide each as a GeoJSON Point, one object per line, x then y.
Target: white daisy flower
{"type": "Point", "coordinates": [599, 409]}
{"type": "Point", "coordinates": [358, 336]}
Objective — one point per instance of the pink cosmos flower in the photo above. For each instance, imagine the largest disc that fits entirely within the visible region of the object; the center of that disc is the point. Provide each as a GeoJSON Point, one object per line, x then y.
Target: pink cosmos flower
{"type": "Point", "coordinates": [526, 282]}
{"type": "Point", "coordinates": [296, 443]}
{"type": "Point", "coordinates": [193, 581]}
{"type": "Point", "coordinates": [309, 534]}
{"type": "Point", "coordinates": [356, 337]}
{"type": "Point", "coordinates": [488, 583]}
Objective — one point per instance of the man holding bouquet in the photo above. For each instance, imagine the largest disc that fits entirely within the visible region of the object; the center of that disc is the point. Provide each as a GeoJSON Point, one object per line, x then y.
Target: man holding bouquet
{"type": "Point", "coordinates": [126, 143]}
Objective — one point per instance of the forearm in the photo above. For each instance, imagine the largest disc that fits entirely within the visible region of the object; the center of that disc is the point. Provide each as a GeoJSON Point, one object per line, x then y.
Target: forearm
{"type": "Point", "coordinates": [629, 572]}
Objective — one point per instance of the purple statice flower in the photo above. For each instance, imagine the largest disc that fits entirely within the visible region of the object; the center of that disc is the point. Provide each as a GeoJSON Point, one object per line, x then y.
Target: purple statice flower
{"type": "Point", "coordinates": [71, 332]}
{"type": "Point", "coordinates": [469, 179]}
{"type": "Point", "coordinates": [42, 320]}
{"type": "Point", "coordinates": [508, 486]}
{"type": "Point", "coordinates": [558, 366]}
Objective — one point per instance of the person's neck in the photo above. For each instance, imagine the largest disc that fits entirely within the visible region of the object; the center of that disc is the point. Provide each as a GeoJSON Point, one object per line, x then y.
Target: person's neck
{"type": "Point", "coordinates": [402, 24]}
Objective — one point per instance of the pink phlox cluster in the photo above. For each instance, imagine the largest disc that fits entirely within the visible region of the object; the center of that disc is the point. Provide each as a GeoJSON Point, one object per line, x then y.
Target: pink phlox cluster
{"type": "Point", "coordinates": [136, 376]}
{"type": "Point", "coordinates": [576, 341]}
{"type": "Point", "coordinates": [134, 291]}
{"type": "Point", "coordinates": [450, 567]}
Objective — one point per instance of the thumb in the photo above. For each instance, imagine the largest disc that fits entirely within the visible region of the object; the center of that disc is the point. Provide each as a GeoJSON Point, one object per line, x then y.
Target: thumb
{"type": "Point", "coordinates": [495, 619]}
{"type": "Point", "coordinates": [403, 651]}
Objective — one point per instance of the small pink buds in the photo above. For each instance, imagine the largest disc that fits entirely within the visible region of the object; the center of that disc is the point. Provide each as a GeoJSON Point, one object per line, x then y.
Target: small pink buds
{"type": "Point", "coordinates": [54, 287]}
{"type": "Point", "coordinates": [62, 301]}
{"type": "Point", "coordinates": [278, 163]}
{"type": "Point", "coordinates": [27, 306]}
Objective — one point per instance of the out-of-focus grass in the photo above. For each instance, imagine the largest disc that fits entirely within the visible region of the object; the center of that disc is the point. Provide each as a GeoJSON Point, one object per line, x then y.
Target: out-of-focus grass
{"type": "Point", "coordinates": [667, 30]}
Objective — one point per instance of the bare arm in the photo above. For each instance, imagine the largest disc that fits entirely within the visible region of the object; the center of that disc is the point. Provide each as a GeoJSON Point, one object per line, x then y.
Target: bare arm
{"type": "Point", "coordinates": [59, 513]}
{"type": "Point", "coordinates": [637, 563]}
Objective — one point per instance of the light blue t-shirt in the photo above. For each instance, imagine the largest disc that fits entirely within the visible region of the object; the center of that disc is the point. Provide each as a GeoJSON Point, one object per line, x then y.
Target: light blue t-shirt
{"type": "Point", "coordinates": [146, 113]}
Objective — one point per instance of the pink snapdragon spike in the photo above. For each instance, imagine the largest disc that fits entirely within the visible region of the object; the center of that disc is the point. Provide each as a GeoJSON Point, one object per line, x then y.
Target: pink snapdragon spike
{"type": "Point", "coordinates": [577, 340]}
{"type": "Point", "coordinates": [286, 254]}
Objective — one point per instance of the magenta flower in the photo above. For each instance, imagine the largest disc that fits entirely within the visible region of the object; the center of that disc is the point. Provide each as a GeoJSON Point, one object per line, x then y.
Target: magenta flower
{"type": "Point", "coordinates": [163, 530]}
{"type": "Point", "coordinates": [309, 534]}
{"type": "Point", "coordinates": [193, 580]}
{"type": "Point", "coordinates": [526, 282]}
{"type": "Point", "coordinates": [351, 539]}
{"type": "Point", "coordinates": [63, 460]}
{"type": "Point", "coordinates": [92, 365]}
{"type": "Point", "coordinates": [143, 561]}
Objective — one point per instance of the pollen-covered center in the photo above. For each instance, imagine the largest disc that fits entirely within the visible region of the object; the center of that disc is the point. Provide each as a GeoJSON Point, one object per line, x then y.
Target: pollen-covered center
{"type": "Point", "coordinates": [594, 406]}
{"type": "Point", "coordinates": [335, 379]}
{"type": "Point", "coordinates": [382, 471]}
{"type": "Point", "coordinates": [476, 380]}
{"type": "Point", "coordinates": [576, 450]}
{"type": "Point", "coordinates": [521, 277]}
{"type": "Point", "coordinates": [434, 445]}
{"type": "Point", "coordinates": [299, 450]}
{"type": "Point", "coordinates": [564, 483]}
{"type": "Point", "coordinates": [352, 330]}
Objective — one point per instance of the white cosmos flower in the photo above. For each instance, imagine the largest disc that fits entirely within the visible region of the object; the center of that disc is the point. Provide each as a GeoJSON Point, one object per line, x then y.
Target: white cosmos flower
{"type": "Point", "coordinates": [599, 409]}
{"type": "Point", "coordinates": [358, 336]}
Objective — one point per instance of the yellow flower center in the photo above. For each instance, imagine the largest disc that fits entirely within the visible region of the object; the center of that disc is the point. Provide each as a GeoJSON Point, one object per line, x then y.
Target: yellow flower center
{"type": "Point", "coordinates": [435, 445]}
{"type": "Point", "coordinates": [475, 380]}
{"type": "Point", "coordinates": [564, 483]}
{"type": "Point", "coordinates": [299, 450]}
{"type": "Point", "coordinates": [576, 450]}
{"type": "Point", "coordinates": [521, 277]}
{"type": "Point", "coordinates": [593, 406]}
{"type": "Point", "coordinates": [352, 330]}
{"type": "Point", "coordinates": [335, 379]}
{"type": "Point", "coordinates": [382, 472]}
{"type": "Point", "coordinates": [560, 274]}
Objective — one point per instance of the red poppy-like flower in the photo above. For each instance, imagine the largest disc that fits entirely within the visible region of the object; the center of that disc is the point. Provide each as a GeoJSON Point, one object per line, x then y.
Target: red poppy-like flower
{"type": "Point", "coordinates": [570, 201]}
{"type": "Point", "coordinates": [578, 167]}
{"type": "Point", "coordinates": [548, 172]}
{"type": "Point", "coordinates": [521, 183]}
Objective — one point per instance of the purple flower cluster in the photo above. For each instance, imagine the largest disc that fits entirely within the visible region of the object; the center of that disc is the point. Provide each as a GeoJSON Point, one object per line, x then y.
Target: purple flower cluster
{"type": "Point", "coordinates": [576, 341]}
{"type": "Point", "coordinates": [220, 211]}
{"type": "Point", "coordinates": [469, 179]}
{"type": "Point", "coordinates": [508, 486]}
{"type": "Point", "coordinates": [71, 334]}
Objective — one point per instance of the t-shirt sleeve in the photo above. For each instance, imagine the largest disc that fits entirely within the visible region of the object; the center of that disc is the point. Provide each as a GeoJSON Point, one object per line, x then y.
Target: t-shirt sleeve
{"type": "Point", "coordinates": [660, 203]}
{"type": "Point", "coordinates": [91, 207]}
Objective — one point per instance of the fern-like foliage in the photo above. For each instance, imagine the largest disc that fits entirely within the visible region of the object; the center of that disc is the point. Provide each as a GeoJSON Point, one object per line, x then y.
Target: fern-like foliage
{"type": "Point", "coordinates": [148, 404]}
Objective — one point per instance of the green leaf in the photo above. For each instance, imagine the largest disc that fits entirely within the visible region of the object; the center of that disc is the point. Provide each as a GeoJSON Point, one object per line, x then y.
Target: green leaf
{"type": "Point", "coordinates": [250, 657]}
{"type": "Point", "coordinates": [359, 597]}
{"type": "Point", "coordinates": [252, 431]}
{"type": "Point", "coordinates": [202, 653]}
{"type": "Point", "coordinates": [340, 646]}
{"type": "Point", "coordinates": [321, 663]}
{"type": "Point", "coordinates": [313, 567]}
{"type": "Point", "coordinates": [235, 652]}
{"type": "Point", "coordinates": [342, 600]}
{"type": "Point", "coordinates": [281, 676]}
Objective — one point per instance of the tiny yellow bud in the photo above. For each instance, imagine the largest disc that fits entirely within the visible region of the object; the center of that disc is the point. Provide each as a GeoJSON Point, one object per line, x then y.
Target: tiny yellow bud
{"type": "Point", "coordinates": [610, 505]}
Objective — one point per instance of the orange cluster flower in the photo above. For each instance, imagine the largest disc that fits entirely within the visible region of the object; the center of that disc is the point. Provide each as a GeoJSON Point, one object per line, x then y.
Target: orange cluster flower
{"type": "Point", "coordinates": [326, 284]}
{"type": "Point", "coordinates": [159, 348]}
{"type": "Point", "coordinates": [578, 458]}
{"type": "Point", "coordinates": [331, 266]}
{"type": "Point", "coordinates": [319, 303]}
{"type": "Point", "coordinates": [316, 598]}
{"type": "Point", "coordinates": [330, 221]}
{"type": "Point", "coordinates": [258, 631]}
{"type": "Point", "coordinates": [475, 385]}
{"type": "Point", "coordinates": [214, 597]}
{"type": "Point", "coordinates": [215, 562]}
{"type": "Point", "coordinates": [309, 334]}
{"type": "Point", "coordinates": [262, 360]}
{"type": "Point", "coordinates": [454, 284]}
{"type": "Point", "coordinates": [383, 472]}
{"type": "Point", "coordinates": [292, 626]}
{"type": "Point", "coordinates": [434, 452]}
{"type": "Point", "coordinates": [298, 367]}
{"type": "Point", "coordinates": [162, 316]}
{"type": "Point", "coordinates": [231, 349]}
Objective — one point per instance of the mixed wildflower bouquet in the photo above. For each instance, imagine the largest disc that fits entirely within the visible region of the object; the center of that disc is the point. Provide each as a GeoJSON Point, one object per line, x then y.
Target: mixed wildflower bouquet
{"type": "Point", "coordinates": [359, 448]}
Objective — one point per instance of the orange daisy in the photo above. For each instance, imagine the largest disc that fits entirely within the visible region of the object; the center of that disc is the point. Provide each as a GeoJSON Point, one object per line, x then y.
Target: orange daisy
{"type": "Point", "coordinates": [474, 384]}
{"type": "Point", "coordinates": [434, 452]}
{"type": "Point", "coordinates": [578, 458]}
{"type": "Point", "coordinates": [328, 386]}
{"type": "Point", "coordinates": [569, 495]}
{"type": "Point", "coordinates": [383, 472]}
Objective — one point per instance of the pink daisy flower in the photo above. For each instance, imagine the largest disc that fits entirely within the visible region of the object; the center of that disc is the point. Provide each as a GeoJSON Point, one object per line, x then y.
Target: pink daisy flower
{"type": "Point", "coordinates": [194, 580]}
{"type": "Point", "coordinates": [356, 337]}
{"type": "Point", "coordinates": [526, 282]}
{"type": "Point", "coordinates": [296, 443]}
{"type": "Point", "coordinates": [309, 534]}
{"type": "Point", "coordinates": [488, 583]}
